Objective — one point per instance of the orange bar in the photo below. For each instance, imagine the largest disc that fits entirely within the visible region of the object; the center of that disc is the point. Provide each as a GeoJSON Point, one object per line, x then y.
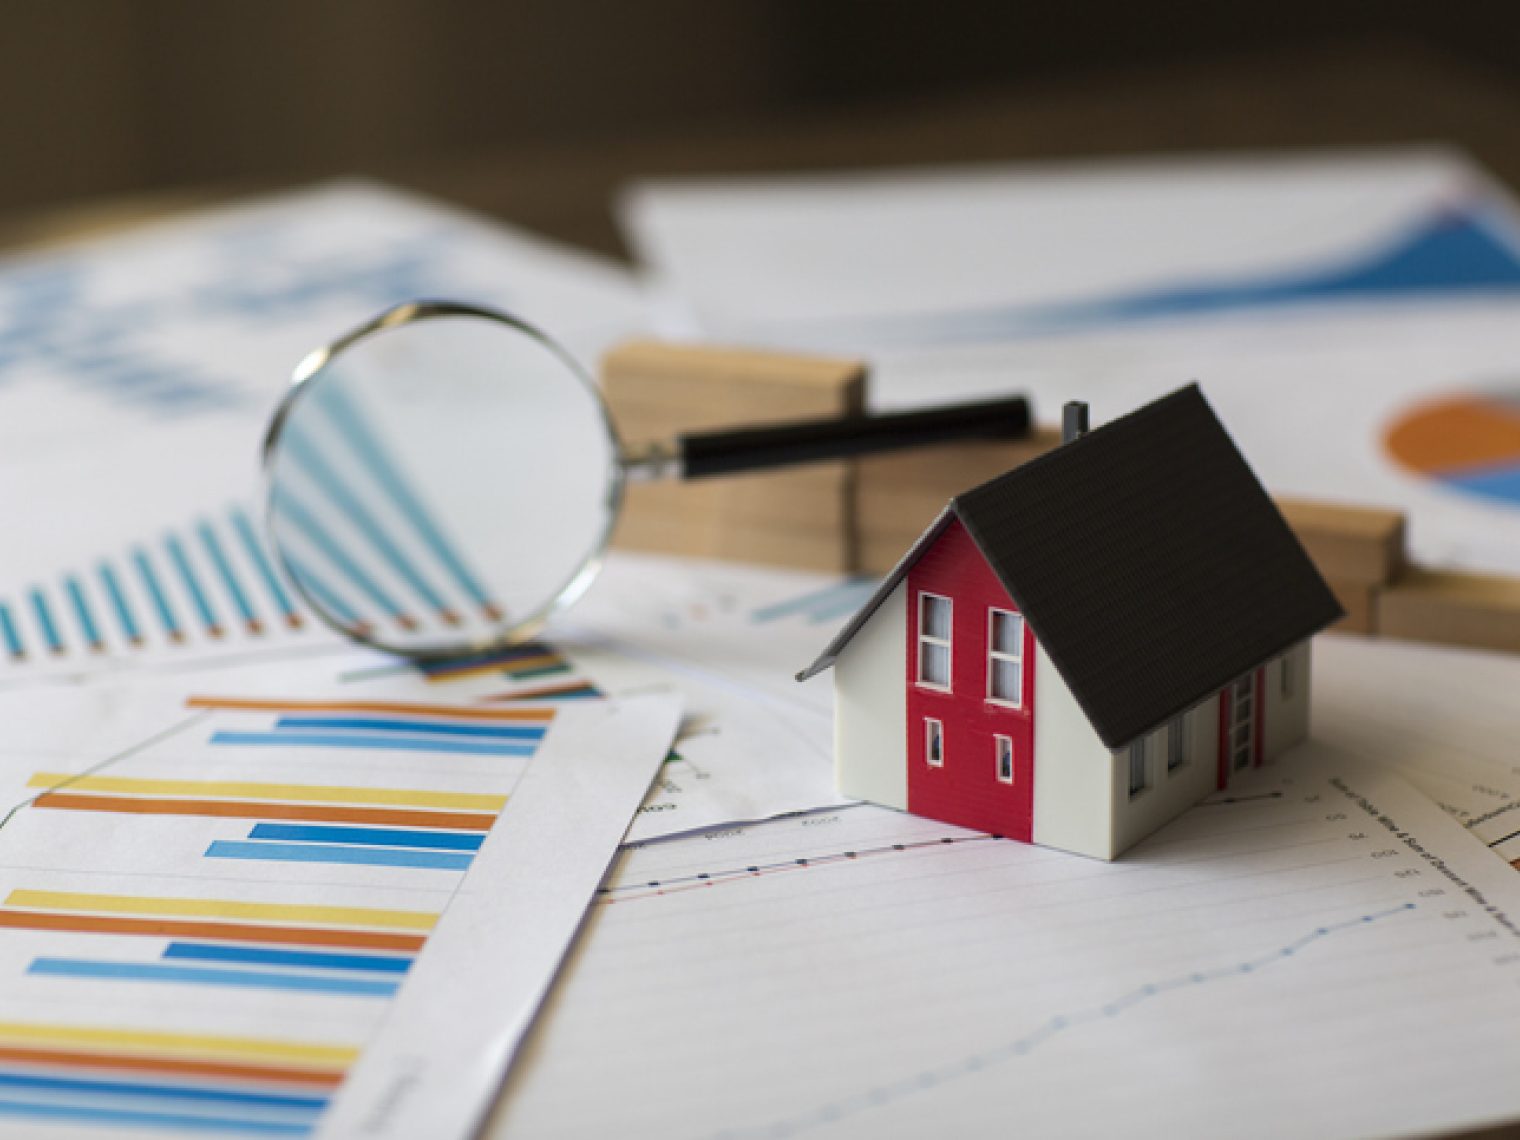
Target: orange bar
{"type": "Point", "coordinates": [280, 1073]}
{"type": "Point", "coordinates": [1449, 437]}
{"type": "Point", "coordinates": [248, 705]}
{"type": "Point", "coordinates": [225, 931]}
{"type": "Point", "coordinates": [482, 669]}
{"type": "Point", "coordinates": [318, 813]}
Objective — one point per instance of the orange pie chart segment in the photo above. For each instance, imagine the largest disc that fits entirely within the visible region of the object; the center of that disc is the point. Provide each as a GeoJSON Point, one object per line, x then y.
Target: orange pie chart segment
{"type": "Point", "coordinates": [1470, 443]}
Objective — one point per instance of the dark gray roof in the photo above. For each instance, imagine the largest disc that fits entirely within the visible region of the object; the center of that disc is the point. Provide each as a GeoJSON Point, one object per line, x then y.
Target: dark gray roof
{"type": "Point", "coordinates": [1148, 560]}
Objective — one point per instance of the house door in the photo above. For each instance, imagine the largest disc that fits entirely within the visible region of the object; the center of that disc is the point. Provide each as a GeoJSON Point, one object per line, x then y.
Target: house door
{"type": "Point", "coordinates": [1242, 732]}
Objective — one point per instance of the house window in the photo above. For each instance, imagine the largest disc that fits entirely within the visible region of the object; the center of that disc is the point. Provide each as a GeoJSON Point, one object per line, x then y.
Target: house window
{"type": "Point", "coordinates": [934, 641]}
{"type": "Point", "coordinates": [1005, 657]}
{"type": "Point", "coordinates": [934, 743]}
{"type": "Point", "coordinates": [1139, 767]}
{"type": "Point", "coordinates": [1176, 743]}
{"type": "Point", "coordinates": [1004, 747]}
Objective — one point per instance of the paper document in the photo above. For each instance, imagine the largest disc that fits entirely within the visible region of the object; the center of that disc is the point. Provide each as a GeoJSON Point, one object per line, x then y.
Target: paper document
{"type": "Point", "coordinates": [1319, 952]}
{"type": "Point", "coordinates": [138, 373]}
{"type": "Point", "coordinates": [1350, 315]}
{"type": "Point", "coordinates": [217, 899]}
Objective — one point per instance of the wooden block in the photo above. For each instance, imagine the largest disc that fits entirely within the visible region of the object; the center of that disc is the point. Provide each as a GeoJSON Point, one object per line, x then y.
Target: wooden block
{"type": "Point", "coordinates": [1349, 544]}
{"type": "Point", "coordinates": [1452, 608]}
{"type": "Point", "coordinates": [795, 517]}
{"type": "Point", "coordinates": [1360, 603]}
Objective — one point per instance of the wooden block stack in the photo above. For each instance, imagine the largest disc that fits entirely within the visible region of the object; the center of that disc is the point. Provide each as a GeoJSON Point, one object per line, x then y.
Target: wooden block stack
{"type": "Point", "coordinates": [898, 495]}
{"type": "Point", "coordinates": [799, 517]}
{"type": "Point", "coordinates": [1359, 550]}
{"type": "Point", "coordinates": [861, 517]}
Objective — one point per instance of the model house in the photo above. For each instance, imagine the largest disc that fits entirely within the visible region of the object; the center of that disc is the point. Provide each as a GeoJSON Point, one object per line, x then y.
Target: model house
{"type": "Point", "coordinates": [1080, 649]}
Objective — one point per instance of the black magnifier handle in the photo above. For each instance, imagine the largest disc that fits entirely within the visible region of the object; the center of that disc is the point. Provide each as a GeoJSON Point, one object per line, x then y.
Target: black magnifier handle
{"type": "Point", "coordinates": [810, 441]}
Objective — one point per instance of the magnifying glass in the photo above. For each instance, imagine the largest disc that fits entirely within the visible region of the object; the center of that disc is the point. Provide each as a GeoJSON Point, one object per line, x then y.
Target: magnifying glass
{"type": "Point", "coordinates": [445, 478]}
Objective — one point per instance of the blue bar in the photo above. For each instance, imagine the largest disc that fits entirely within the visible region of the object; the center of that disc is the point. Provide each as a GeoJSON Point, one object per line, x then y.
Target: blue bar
{"type": "Point", "coordinates": [171, 1092]}
{"type": "Point", "coordinates": [253, 979]}
{"type": "Point", "coordinates": [161, 1120]}
{"type": "Point", "coordinates": [312, 959]}
{"type": "Point", "coordinates": [13, 644]}
{"type": "Point", "coordinates": [368, 836]}
{"type": "Point", "coordinates": [315, 533]}
{"type": "Point", "coordinates": [341, 856]}
{"type": "Point", "coordinates": [119, 603]}
{"type": "Point", "coordinates": [358, 514]}
{"type": "Point", "coordinates": [433, 727]}
{"type": "Point", "coordinates": [149, 577]}
{"type": "Point", "coordinates": [224, 570]}
{"type": "Point", "coordinates": [260, 558]}
{"type": "Point", "coordinates": [359, 740]}
{"type": "Point", "coordinates": [82, 612]}
{"type": "Point", "coordinates": [366, 445]}
{"type": "Point", "coordinates": [45, 620]}
{"type": "Point", "coordinates": [198, 597]}
{"type": "Point", "coordinates": [326, 596]}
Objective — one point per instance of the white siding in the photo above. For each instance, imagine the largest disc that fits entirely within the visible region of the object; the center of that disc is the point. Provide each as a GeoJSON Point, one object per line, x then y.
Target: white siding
{"type": "Point", "coordinates": [1170, 792]}
{"type": "Point", "coordinates": [1073, 771]}
{"type": "Point", "coordinates": [871, 708]}
{"type": "Point", "coordinates": [1287, 716]}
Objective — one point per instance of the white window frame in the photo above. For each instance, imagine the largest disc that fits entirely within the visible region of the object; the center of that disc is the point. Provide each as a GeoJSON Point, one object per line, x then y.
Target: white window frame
{"type": "Point", "coordinates": [934, 728]}
{"type": "Point", "coordinates": [999, 742]}
{"type": "Point", "coordinates": [945, 643]}
{"type": "Point", "coordinates": [994, 655]}
{"type": "Point", "coordinates": [1177, 743]}
{"type": "Point", "coordinates": [1138, 757]}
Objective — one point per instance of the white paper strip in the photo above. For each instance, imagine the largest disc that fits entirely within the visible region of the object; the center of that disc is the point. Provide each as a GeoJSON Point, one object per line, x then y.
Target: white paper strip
{"type": "Point", "coordinates": [451, 1033]}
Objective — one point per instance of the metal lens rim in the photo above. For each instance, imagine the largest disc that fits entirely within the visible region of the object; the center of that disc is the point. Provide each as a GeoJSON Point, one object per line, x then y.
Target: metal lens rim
{"type": "Point", "coordinates": [308, 374]}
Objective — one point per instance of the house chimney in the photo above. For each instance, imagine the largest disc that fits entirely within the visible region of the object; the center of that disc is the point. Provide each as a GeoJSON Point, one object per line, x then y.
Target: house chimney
{"type": "Point", "coordinates": [1073, 421]}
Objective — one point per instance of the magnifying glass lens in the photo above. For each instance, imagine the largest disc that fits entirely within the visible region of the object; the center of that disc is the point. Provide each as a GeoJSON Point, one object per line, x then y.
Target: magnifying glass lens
{"type": "Point", "coordinates": [441, 481]}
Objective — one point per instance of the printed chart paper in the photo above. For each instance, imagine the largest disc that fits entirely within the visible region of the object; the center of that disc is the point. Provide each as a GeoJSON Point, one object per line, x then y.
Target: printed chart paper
{"type": "Point", "coordinates": [213, 897]}
{"type": "Point", "coordinates": [1349, 315]}
{"type": "Point", "coordinates": [1320, 952]}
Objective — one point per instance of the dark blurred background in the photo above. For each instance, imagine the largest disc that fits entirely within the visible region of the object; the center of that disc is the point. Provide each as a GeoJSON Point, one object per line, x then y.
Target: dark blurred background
{"type": "Point", "coordinates": [535, 109]}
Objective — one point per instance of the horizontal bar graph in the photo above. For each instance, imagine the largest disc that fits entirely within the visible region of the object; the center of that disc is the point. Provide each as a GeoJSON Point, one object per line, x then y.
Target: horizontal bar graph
{"type": "Point", "coordinates": [339, 854]}
{"type": "Point", "coordinates": [152, 1090]}
{"type": "Point", "coordinates": [309, 959]}
{"type": "Point", "coordinates": [161, 1121]}
{"type": "Point", "coordinates": [256, 790]}
{"type": "Point", "coordinates": [372, 836]}
{"type": "Point", "coordinates": [239, 909]}
{"type": "Point", "coordinates": [231, 931]}
{"type": "Point", "coordinates": [453, 712]}
{"type": "Point", "coordinates": [289, 739]}
{"type": "Point", "coordinates": [185, 975]}
{"type": "Point", "coordinates": [409, 726]}
{"type": "Point", "coordinates": [229, 809]}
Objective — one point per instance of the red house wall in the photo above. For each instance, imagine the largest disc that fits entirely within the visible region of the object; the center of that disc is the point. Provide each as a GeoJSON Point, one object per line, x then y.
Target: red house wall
{"type": "Point", "coordinates": [966, 790]}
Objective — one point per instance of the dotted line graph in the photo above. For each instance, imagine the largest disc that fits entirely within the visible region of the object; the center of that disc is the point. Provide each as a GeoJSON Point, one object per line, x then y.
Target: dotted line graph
{"type": "Point", "coordinates": [653, 888]}
{"type": "Point", "coordinates": [883, 1095]}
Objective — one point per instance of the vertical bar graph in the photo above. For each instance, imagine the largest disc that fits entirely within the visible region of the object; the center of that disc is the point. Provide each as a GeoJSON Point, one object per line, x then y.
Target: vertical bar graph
{"type": "Point", "coordinates": [119, 604]}
{"type": "Point", "coordinates": [83, 614]}
{"type": "Point", "coordinates": [265, 566]}
{"type": "Point", "coordinates": [192, 583]}
{"type": "Point", "coordinates": [155, 590]}
{"type": "Point", "coordinates": [213, 547]}
{"type": "Point", "coordinates": [14, 646]}
{"type": "Point", "coordinates": [45, 623]}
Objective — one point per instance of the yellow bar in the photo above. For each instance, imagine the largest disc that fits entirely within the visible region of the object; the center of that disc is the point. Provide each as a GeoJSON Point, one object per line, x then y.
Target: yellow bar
{"type": "Point", "coordinates": [189, 1044]}
{"type": "Point", "coordinates": [244, 790]}
{"type": "Point", "coordinates": [361, 916]}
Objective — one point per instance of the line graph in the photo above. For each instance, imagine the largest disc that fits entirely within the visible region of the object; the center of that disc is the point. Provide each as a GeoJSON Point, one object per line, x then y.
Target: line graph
{"type": "Point", "coordinates": [880, 1096]}
{"type": "Point", "coordinates": [960, 988]}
